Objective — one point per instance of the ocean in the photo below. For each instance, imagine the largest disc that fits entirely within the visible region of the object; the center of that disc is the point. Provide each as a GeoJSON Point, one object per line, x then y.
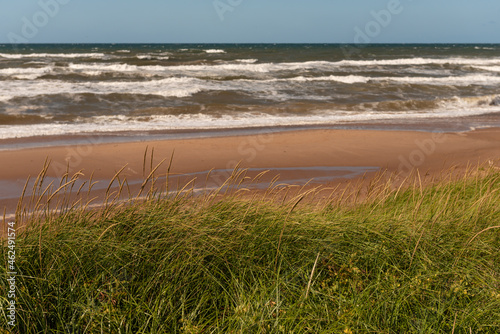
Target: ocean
{"type": "Point", "coordinates": [137, 89]}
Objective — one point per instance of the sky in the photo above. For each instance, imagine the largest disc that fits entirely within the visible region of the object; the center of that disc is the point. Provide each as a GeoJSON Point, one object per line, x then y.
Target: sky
{"type": "Point", "coordinates": [250, 21]}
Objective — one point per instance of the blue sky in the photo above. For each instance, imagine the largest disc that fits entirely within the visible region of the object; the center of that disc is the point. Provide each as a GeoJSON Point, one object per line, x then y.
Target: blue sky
{"type": "Point", "coordinates": [246, 21]}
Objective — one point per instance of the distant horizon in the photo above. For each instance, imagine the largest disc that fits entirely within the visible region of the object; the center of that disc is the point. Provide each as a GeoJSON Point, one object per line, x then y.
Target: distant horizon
{"type": "Point", "coordinates": [242, 43]}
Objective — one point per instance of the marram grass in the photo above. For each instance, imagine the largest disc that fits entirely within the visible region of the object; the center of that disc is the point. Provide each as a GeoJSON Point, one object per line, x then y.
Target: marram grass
{"type": "Point", "coordinates": [413, 260]}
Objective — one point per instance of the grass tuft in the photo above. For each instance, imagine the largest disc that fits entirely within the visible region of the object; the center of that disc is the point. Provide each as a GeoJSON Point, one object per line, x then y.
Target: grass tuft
{"type": "Point", "coordinates": [398, 259]}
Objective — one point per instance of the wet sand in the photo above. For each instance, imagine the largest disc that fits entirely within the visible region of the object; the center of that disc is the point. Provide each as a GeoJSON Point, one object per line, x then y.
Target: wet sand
{"type": "Point", "coordinates": [326, 156]}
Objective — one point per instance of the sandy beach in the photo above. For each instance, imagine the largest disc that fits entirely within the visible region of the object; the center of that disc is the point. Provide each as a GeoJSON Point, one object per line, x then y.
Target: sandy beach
{"type": "Point", "coordinates": [325, 156]}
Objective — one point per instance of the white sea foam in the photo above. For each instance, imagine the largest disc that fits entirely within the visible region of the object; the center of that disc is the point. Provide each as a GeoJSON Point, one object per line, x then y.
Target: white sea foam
{"type": "Point", "coordinates": [348, 79]}
{"type": "Point", "coordinates": [28, 70]}
{"type": "Point", "coordinates": [33, 73]}
{"type": "Point", "coordinates": [91, 70]}
{"type": "Point", "coordinates": [30, 73]}
{"type": "Point", "coordinates": [208, 69]}
{"type": "Point", "coordinates": [152, 56]}
{"type": "Point", "coordinates": [468, 104]}
{"type": "Point", "coordinates": [247, 61]}
{"type": "Point", "coordinates": [488, 68]}
{"type": "Point", "coordinates": [449, 81]}
{"type": "Point", "coordinates": [352, 79]}
{"type": "Point", "coordinates": [215, 51]}
{"type": "Point", "coordinates": [108, 67]}
{"type": "Point", "coordinates": [420, 61]}
{"type": "Point", "coordinates": [171, 87]}
{"type": "Point", "coordinates": [25, 76]}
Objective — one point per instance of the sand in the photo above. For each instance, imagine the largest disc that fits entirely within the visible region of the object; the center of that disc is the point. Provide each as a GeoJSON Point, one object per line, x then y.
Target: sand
{"type": "Point", "coordinates": [290, 154]}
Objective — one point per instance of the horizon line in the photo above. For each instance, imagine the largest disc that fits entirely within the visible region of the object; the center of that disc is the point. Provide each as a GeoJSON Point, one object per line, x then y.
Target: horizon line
{"type": "Point", "coordinates": [262, 43]}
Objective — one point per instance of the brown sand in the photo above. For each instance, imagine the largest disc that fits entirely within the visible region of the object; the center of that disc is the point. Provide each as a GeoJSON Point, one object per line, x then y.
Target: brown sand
{"type": "Point", "coordinates": [396, 151]}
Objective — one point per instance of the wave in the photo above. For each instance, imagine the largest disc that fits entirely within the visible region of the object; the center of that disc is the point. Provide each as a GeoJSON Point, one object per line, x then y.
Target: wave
{"type": "Point", "coordinates": [457, 105]}
{"type": "Point", "coordinates": [335, 65]}
{"type": "Point", "coordinates": [147, 57]}
{"type": "Point", "coordinates": [214, 51]}
{"type": "Point", "coordinates": [108, 67]}
{"type": "Point", "coordinates": [142, 71]}
{"type": "Point", "coordinates": [352, 79]}
{"type": "Point", "coordinates": [32, 73]}
{"type": "Point", "coordinates": [247, 61]}
{"type": "Point", "coordinates": [348, 79]}
{"type": "Point", "coordinates": [488, 68]}
{"type": "Point", "coordinates": [420, 61]}
{"type": "Point", "coordinates": [122, 123]}
{"type": "Point", "coordinates": [249, 67]}
{"type": "Point", "coordinates": [449, 81]}
{"type": "Point", "coordinates": [241, 67]}
{"type": "Point", "coordinates": [483, 48]}
{"type": "Point", "coordinates": [20, 119]}
{"type": "Point", "coordinates": [152, 57]}
{"type": "Point", "coordinates": [52, 55]}
{"type": "Point", "coordinates": [171, 87]}
{"type": "Point", "coordinates": [28, 70]}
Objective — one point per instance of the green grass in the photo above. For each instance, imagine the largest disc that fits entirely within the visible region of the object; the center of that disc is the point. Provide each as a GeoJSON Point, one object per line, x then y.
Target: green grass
{"type": "Point", "coordinates": [420, 260]}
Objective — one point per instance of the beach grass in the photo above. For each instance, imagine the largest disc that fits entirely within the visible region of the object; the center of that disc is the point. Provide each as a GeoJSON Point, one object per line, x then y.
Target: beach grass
{"type": "Point", "coordinates": [410, 259]}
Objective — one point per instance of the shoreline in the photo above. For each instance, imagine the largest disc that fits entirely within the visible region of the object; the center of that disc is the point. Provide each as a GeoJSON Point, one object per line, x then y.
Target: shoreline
{"type": "Point", "coordinates": [73, 140]}
{"type": "Point", "coordinates": [299, 151]}
{"type": "Point", "coordinates": [441, 125]}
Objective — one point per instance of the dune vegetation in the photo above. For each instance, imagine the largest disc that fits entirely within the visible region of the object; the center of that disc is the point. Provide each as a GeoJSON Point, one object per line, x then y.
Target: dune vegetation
{"type": "Point", "coordinates": [380, 259]}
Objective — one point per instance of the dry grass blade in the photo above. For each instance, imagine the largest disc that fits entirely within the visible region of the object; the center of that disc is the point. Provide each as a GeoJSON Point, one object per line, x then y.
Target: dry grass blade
{"type": "Point", "coordinates": [81, 187]}
{"type": "Point", "coordinates": [472, 239]}
{"type": "Point", "coordinates": [37, 185]}
{"type": "Point", "coordinates": [52, 195]}
{"type": "Point", "coordinates": [227, 182]}
{"type": "Point", "coordinates": [311, 276]}
{"type": "Point", "coordinates": [257, 178]}
{"type": "Point", "coordinates": [151, 174]}
{"type": "Point", "coordinates": [113, 179]}
{"type": "Point", "coordinates": [179, 192]}
{"type": "Point", "coordinates": [21, 199]}
{"type": "Point", "coordinates": [40, 197]}
{"type": "Point", "coordinates": [167, 177]}
{"type": "Point", "coordinates": [106, 230]}
{"type": "Point", "coordinates": [151, 158]}
{"type": "Point", "coordinates": [144, 162]}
